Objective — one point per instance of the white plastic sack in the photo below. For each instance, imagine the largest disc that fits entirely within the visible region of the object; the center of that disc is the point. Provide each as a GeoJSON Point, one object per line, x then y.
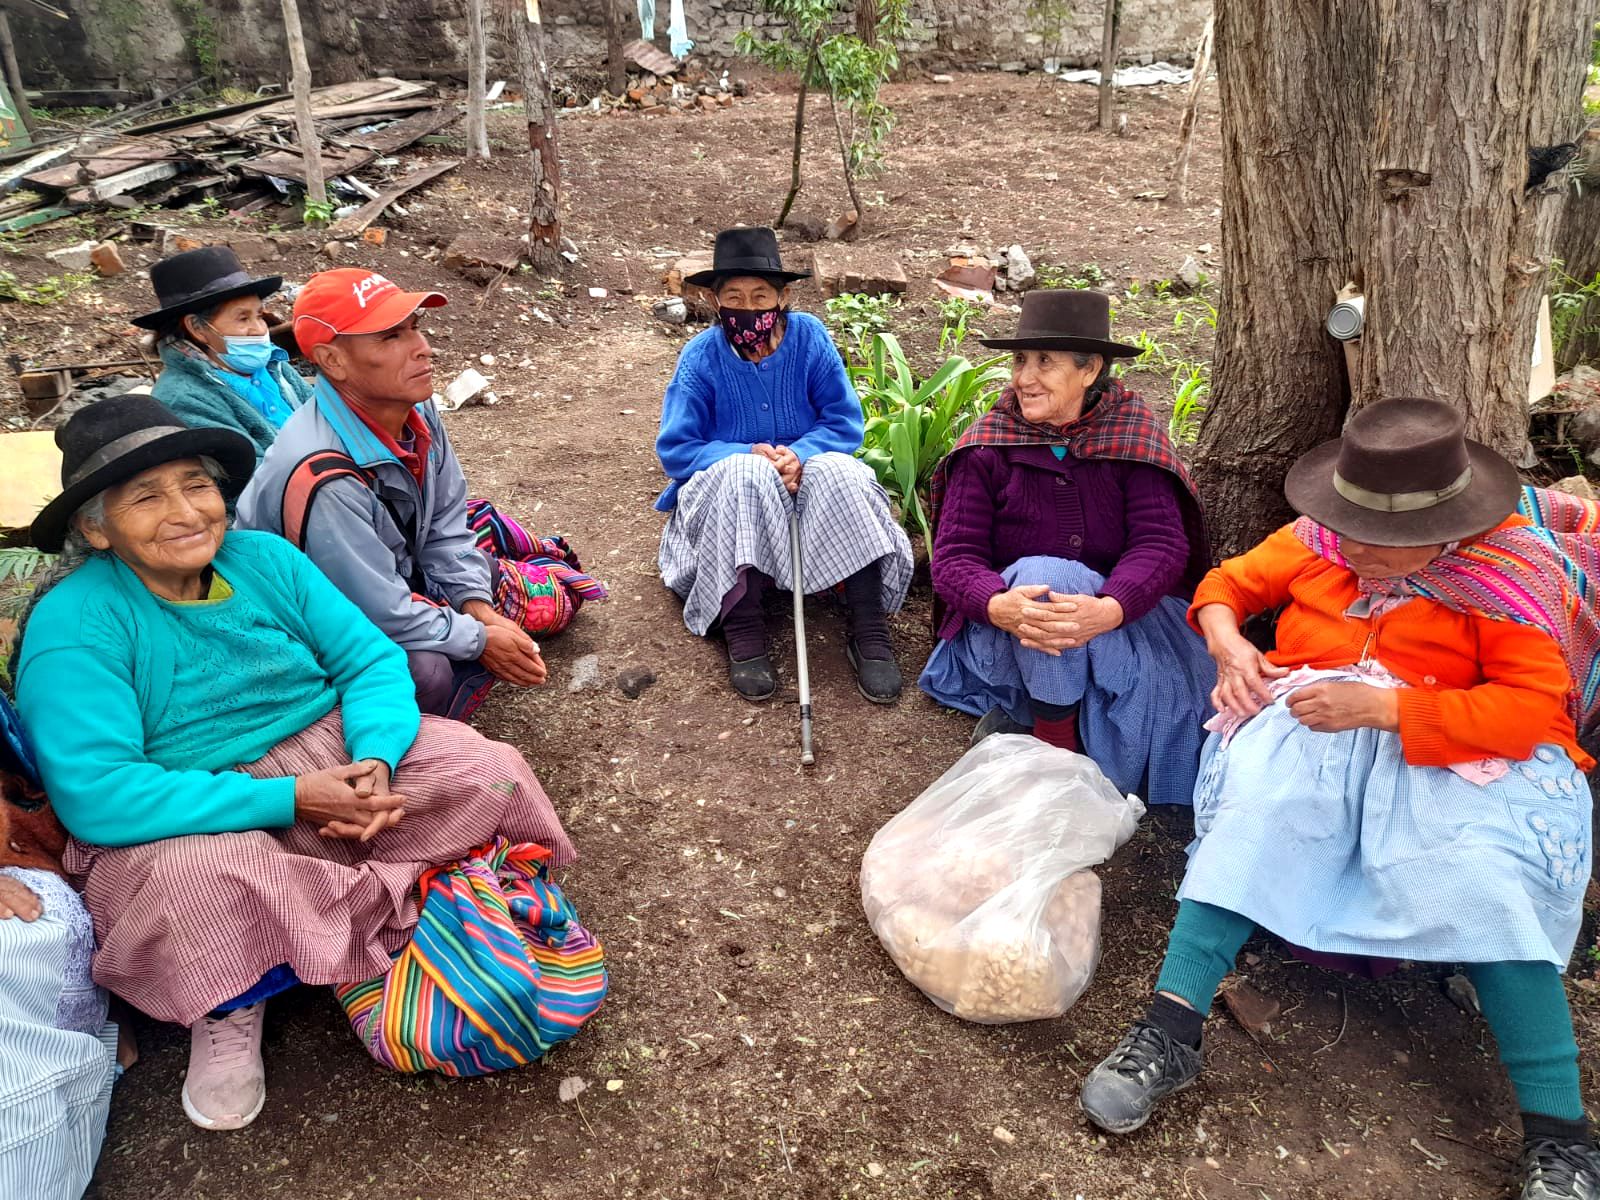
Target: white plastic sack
{"type": "Point", "coordinates": [980, 889]}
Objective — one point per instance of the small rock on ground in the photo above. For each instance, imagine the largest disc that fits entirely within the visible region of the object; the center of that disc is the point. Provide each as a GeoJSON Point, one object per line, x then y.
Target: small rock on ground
{"type": "Point", "coordinates": [1254, 1010]}
{"type": "Point", "coordinates": [634, 680]}
{"type": "Point", "coordinates": [585, 673]}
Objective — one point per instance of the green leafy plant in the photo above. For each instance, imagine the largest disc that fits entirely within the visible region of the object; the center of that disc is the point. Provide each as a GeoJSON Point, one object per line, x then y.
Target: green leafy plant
{"type": "Point", "coordinates": [848, 67]}
{"type": "Point", "coordinates": [317, 214]}
{"type": "Point", "coordinates": [1574, 316]}
{"type": "Point", "coordinates": [1191, 386]}
{"type": "Point", "coordinates": [911, 424]}
{"type": "Point", "coordinates": [854, 317]}
{"type": "Point", "coordinates": [1201, 312]}
{"type": "Point", "coordinates": [1153, 354]}
{"type": "Point", "coordinates": [956, 316]}
{"type": "Point", "coordinates": [46, 291]}
{"type": "Point", "coordinates": [1087, 276]}
{"type": "Point", "coordinates": [18, 568]}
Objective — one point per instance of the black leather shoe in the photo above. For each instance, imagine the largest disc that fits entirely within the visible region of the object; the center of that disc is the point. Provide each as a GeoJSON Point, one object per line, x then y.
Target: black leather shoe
{"type": "Point", "coordinates": [878, 679]}
{"type": "Point", "coordinates": [753, 678]}
{"type": "Point", "coordinates": [996, 720]}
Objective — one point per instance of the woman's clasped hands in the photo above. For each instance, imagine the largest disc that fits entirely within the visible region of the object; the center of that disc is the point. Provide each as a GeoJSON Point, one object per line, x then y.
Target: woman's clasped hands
{"type": "Point", "coordinates": [1052, 621]}
{"type": "Point", "coordinates": [351, 801]}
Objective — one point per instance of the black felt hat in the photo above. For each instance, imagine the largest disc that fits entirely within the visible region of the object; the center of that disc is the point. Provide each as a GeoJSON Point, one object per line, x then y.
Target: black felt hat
{"type": "Point", "coordinates": [110, 441]}
{"type": "Point", "coordinates": [201, 279]}
{"type": "Point", "coordinates": [1404, 474]}
{"type": "Point", "coordinates": [1065, 319]}
{"type": "Point", "coordinates": [749, 250]}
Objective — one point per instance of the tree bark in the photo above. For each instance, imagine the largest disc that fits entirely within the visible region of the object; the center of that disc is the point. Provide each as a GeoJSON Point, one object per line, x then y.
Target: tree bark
{"type": "Point", "coordinates": [867, 21]}
{"type": "Point", "coordinates": [616, 65]}
{"type": "Point", "coordinates": [1108, 64]}
{"type": "Point", "coordinates": [844, 162]}
{"type": "Point", "coordinates": [1459, 247]}
{"type": "Point", "coordinates": [544, 205]}
{"type": "Point", "coordinates": [799, 134]}
{"type": "Point", "coordinates": [477, 82]}
{"type": "Point", "coordinates": [300, 84]}
{"type": "Point", "coordinates": [1191, 111]}
{"type": "Point", "coordinates": [1378, 142]}
{"type": "Point", "coordinates": [19, 97]}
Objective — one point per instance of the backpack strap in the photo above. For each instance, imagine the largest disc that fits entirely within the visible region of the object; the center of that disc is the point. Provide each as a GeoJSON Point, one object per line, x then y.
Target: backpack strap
{"type": "Point", "coordinates": [306, 480]}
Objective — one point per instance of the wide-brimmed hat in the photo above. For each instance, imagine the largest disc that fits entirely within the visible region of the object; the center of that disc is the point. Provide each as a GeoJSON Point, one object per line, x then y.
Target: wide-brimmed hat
{"type": "Point", "coordinates": [746, 251]}
{"type": "Point", "coordinates": [197, 280]}
{"type": "Point", "coordinates": [1065, 319]}
{"type": "Point", "coordinates": [1404, 474]}
{"type": "Point", "coordinates": [110, 441]}
{"type": "Point", "coordinates": [351, 300]}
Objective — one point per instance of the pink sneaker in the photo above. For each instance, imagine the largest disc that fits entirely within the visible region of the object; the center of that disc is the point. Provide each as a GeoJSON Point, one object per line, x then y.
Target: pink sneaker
{"type": "Point", "coordinates": [226, 1084]}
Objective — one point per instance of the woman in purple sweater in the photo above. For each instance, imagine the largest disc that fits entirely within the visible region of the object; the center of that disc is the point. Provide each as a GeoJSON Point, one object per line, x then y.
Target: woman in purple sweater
{"type": "Point", "coordinates": [1067, 534]}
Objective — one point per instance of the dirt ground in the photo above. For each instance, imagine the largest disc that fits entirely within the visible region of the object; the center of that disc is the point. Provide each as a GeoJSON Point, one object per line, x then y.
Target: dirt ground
{"type": "Point", "coordinates": [761, 1041]}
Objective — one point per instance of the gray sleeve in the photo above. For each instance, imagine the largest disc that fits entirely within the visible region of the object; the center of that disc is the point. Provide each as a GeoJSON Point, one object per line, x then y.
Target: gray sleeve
{"type": "Point", "coordinates": [342, 539]}
{"type": "Point", "coordinates": [451, 559]}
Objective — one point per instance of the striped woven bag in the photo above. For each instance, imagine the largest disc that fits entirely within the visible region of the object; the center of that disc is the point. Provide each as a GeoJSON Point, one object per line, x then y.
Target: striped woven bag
{"type": "Point", "coordinates": [497, 972]}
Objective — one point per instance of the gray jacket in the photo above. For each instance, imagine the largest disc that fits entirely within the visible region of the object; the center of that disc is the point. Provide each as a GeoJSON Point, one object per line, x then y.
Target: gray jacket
{"type": "Point", "coordinates": [351, 534]}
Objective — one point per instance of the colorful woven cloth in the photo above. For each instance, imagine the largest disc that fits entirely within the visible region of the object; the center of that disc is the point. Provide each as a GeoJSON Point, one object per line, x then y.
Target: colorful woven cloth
{"type": "Point", "coordinates": [1542, 574]}
{"type": "Point", "coordinates": [497, 972]}
{"type": "Point", "coordinates": [1119, 426]}
{"type": "Point", "coordinates": [542, 585]}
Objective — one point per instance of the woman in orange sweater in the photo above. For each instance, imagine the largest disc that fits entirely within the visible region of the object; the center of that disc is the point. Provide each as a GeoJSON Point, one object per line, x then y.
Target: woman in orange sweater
{"type": "Point", "coordinates": [1410, 746]}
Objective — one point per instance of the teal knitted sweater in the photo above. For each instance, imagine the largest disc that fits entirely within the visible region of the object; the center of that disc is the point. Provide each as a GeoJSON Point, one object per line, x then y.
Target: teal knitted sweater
{"type": "Point", "coordinates": [139, 709]}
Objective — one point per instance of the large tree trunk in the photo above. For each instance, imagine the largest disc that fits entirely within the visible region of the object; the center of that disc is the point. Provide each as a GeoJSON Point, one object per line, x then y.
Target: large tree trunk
{"type": "Point", "coordinates": [1108, 63]}
{"type": "Point", "coordinates": [19, 97]}
{"type": "Point", "coordinates": [544, 209]}
{"type": "Point", "coordinates": [616, 65]}
{"type": "Point", "coordinates": [477, 82]}
{"type": "Point", "coordinates": [1384, 142]}
{"type": "Point", "coordinates": [300, 84]}
{"type": "Point", "coordinates": [867, 21]}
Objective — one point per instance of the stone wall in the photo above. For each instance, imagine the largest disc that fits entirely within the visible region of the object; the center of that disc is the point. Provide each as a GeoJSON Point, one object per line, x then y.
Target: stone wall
{"type": "Point", "coordinates": [142, 44]}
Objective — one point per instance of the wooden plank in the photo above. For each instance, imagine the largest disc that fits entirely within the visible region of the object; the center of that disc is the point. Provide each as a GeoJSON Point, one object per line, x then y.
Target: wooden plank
{"type": "Point", "coordinates": [370, 211]}
{"type": "Point", "coordinates": [103, 161]}
{"type": "Point", "coordinates": [32, 477]}
{"type": "Point", "coordinates": [403, 133]}
{"type": "Point", "coordinates": [37, 216]}
{"type": "Point", "coordinates": [643, 54]}
{"type": "Point", "coordinates": [288, 164]}
{"type": "Point", "coordinates": [11, 176]}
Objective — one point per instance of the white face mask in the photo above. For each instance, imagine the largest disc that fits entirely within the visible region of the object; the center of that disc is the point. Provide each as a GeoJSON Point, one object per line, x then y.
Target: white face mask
{"type": "Point", "coordinates": [246, 353]}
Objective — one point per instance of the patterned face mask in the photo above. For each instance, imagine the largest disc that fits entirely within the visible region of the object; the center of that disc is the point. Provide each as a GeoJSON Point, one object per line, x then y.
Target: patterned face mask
{"type": "Point", "coordinates": [748, 328]}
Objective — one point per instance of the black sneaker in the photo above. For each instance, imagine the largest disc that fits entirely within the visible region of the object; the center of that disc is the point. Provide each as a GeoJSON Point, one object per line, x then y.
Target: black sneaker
{"type": "Point", "coordinates": [996, 720]}
{"type": "Point", "coordinates": [753, 678]}
{"type": "Point", "coordinates": [1551, 1171]}
{"type": "Point", "coordinates": [1146, 1067]}
{"type": "Point", "coordinates": [878, 679]}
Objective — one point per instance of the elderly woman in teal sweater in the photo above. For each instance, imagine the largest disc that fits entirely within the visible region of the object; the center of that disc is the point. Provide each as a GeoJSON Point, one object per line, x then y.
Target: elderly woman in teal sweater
{"type": "Point", "coordinates": [234, 748]}
{"type": "Point", "coordinates": [758, 428]}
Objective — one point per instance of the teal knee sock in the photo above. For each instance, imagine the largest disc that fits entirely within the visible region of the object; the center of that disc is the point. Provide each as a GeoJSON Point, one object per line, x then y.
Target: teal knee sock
{"type": "Point", "coordinates": [1526, 1008]}
{"type": "Point", "coordinates": [1204, 943]}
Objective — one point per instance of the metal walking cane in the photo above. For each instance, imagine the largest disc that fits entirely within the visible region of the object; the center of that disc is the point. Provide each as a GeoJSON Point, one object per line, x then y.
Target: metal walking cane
{"type": "Point", "coordinates": [802, 667]}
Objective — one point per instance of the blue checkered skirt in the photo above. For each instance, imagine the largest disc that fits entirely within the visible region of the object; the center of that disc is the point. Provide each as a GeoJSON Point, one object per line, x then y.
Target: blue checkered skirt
{"type": "Point", "coordinates": [1143, 690]}
{"type": "Point", "coordinates": [1335, 843]}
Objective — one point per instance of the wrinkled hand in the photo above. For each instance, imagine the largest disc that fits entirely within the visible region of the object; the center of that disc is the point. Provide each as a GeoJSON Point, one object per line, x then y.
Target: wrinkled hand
{"type": "Point", "coordinates": [508, 652]}
{"type": "Point", "coordinates": [789, 468]}
{"type": "Point", "coordinates": [18, 900]}
{"type": "Point", "coordinates": [376, 781]}
{"type": "Point", "coordinates": [330, 800]}
{"type": "Point", "coordinates": [1242, 675]}
{"type": "Point", "coordinates": [1336, 707]}
{"type": "Point", "coordinates": [1052, 621]}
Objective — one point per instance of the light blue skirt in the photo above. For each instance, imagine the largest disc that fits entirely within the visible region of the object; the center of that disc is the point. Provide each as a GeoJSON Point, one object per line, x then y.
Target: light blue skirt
{"type": "Point", "coordinates": [1144, 689]}
{"type": "Point", "coordinates": [1334, 842]}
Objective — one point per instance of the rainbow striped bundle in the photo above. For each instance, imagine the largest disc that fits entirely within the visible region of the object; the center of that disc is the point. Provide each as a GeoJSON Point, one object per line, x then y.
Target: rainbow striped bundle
{"type": "Point", "coordinates": [542, 585]}
{"type": "Point", "coordinates": [498, 971]}
{"type": "Point", "coordinates": [1546, 574]}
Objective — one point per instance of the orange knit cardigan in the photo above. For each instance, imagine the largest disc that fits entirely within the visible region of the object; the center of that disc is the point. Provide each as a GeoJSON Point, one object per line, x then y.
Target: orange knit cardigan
{"type": "Point", "coordinates": [1477, 688]}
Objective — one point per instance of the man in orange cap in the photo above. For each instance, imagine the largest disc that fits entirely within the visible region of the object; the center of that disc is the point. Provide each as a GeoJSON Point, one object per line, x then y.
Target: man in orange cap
{"type": "Point", "coordinates": [389, 526]}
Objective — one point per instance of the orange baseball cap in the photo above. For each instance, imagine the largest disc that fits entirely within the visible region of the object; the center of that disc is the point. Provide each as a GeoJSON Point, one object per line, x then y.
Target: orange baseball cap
{"type": "Point", "coordinates": [350, 300]}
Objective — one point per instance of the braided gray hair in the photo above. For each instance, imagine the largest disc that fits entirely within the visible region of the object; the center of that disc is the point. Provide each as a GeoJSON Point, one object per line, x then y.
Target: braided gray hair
{"type": "Point", "coordinates": [75, 551]}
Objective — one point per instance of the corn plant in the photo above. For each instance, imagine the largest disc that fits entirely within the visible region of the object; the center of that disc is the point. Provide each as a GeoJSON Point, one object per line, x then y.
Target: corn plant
{"type": "Point", "coordinates": [956, 315]}
{"type": "Point", "coordinates": [1191, 385]}
{"type": "Point", "coordinates": [854, 317]}
{"type": "Point", "coordinates": [912, 424]}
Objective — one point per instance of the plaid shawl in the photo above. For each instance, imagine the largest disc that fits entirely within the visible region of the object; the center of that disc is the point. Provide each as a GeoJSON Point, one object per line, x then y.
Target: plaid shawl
{"type": "Point", "coordinates": [1119, 426]}
{"type": "Point", "coordinates": [1546, 574]}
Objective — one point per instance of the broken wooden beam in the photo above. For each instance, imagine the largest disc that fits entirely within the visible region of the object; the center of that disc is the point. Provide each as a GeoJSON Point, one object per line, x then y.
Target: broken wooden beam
{"type": "Point", "coordinates": [373, 209]}
{"type": "Point", "coordinates": [126, 181]}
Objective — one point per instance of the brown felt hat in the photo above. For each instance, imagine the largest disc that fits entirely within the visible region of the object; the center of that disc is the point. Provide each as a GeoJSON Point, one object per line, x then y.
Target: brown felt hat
{"type": "Point", "coordinates": [1404, 474]}
{"type": "Point", "coordinates": [1065, 319]}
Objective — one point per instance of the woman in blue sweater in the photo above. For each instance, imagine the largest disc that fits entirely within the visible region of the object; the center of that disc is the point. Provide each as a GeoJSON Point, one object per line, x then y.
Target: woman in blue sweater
{"type": "Point", "coordinates": [760, 422]}
{"type": "Point", "coordinates": [177, 680]}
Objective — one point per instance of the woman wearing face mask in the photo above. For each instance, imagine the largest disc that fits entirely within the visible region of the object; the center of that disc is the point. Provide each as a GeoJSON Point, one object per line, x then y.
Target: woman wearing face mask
{"type": "Point", "coordinates": [1067, 531]}
{"type": "Point", "coordinates": [219, 366]}
{"type": "Point", "coordinates": [758, 423]}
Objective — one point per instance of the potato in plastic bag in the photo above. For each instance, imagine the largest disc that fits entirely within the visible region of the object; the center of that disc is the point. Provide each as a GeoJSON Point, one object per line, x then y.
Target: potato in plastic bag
{"type": "Point", "coordinates": [980, 889]}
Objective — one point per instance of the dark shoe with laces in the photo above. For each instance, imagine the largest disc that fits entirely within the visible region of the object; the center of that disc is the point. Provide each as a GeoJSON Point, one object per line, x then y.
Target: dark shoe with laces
{"type": "Point", "coordinates": [996, 720]}
{"type": "Point", "coordinates": [753, 678]}
{"type": "Point", "coordinates": [1551, 1171]}
{"type": "Point", "coordinates": [1147, 1066]}
{"type": "Point", "coordinates": [878, 679]}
